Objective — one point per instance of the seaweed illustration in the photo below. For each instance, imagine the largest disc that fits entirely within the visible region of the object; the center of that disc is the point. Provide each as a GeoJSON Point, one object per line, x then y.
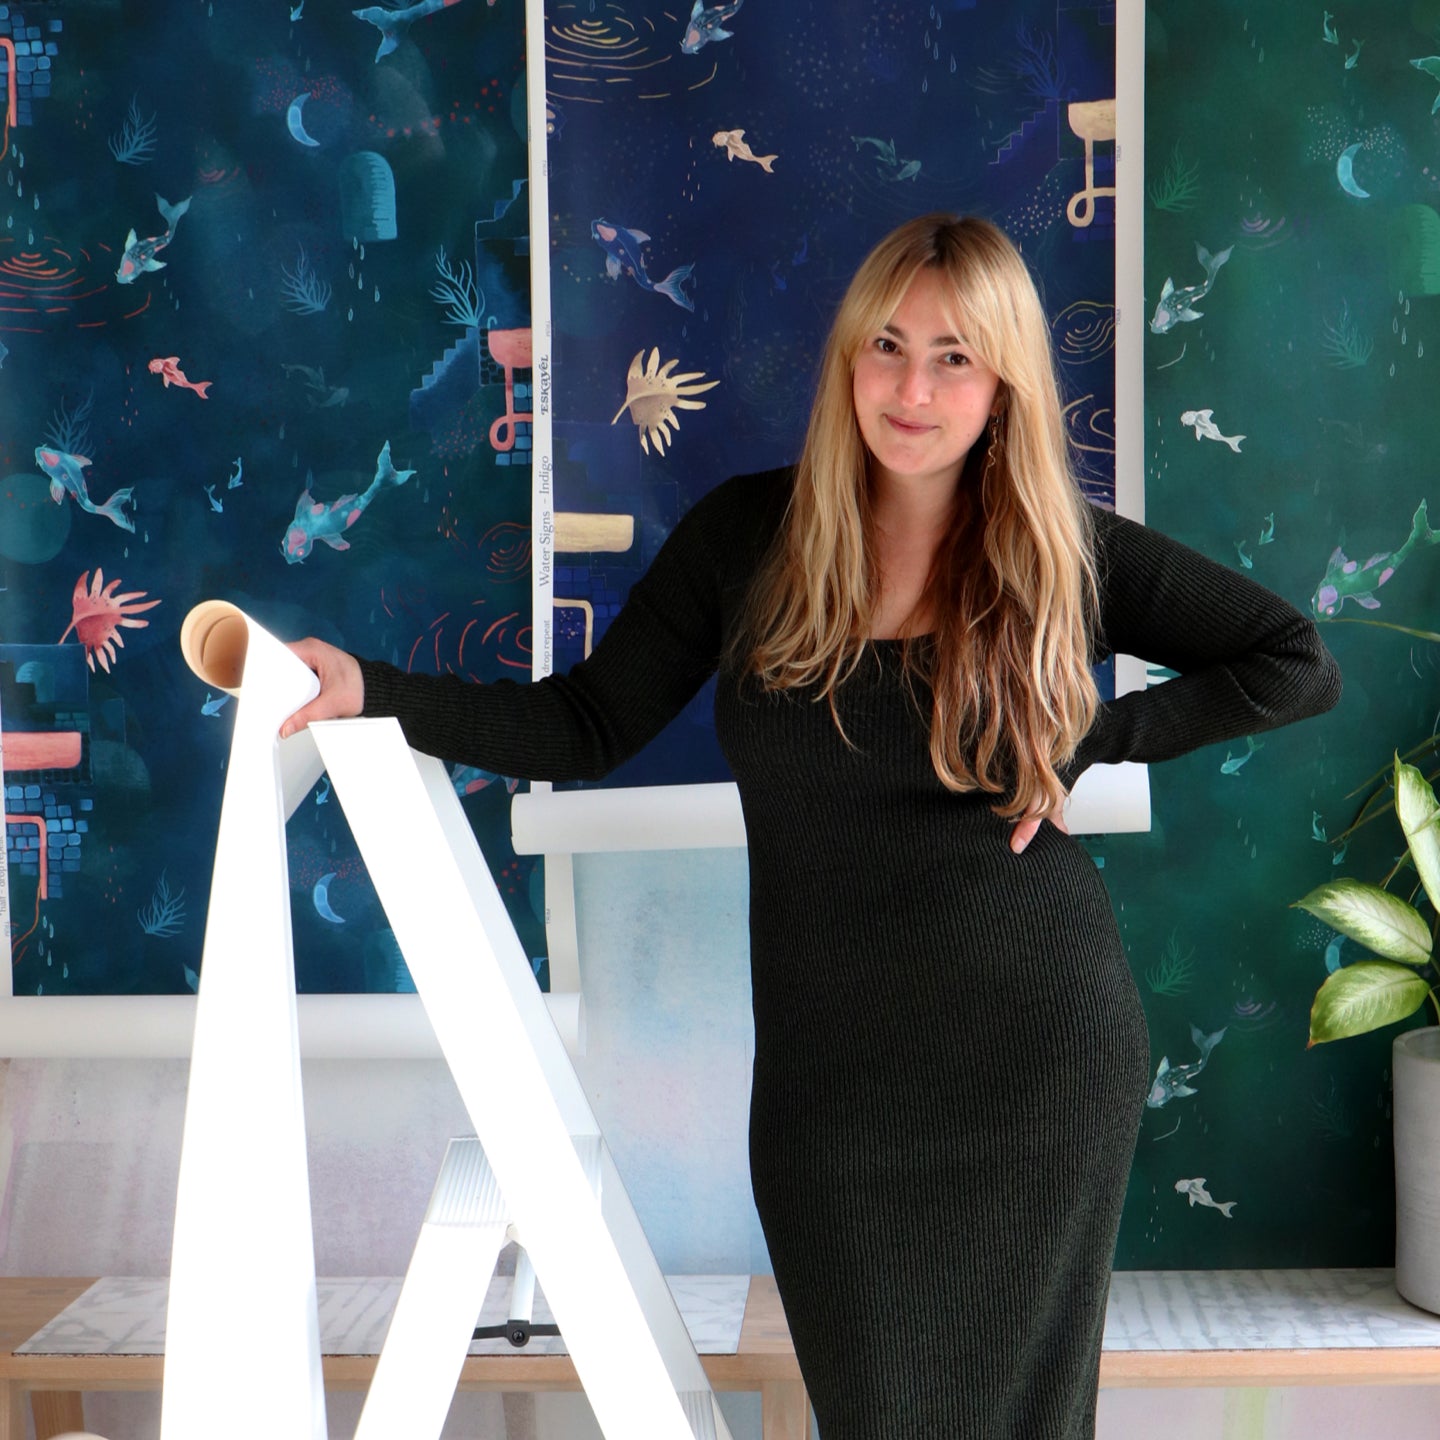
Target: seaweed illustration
{"type": "Point", "coordinates": [305, 292]}
{"type": "Point", "coordinates": [1329, 1117]}
{"type": "Point", "coordinates": [1345, 343]}
{"type": "Point", "coordinates": [1037, 64]}
{"type": "Point", "coordinates": [457, 289]}
{"type": "Point", "coordinates": [70, 433]}
{"type": "Point", "coordinates": [165, 914]}
{"type": "Point", "coordinates": [1179, 185]}
{"type": "Point", "coordinates": [1175, 973]}
{"type": "Point", "coordinates": [134, 144]}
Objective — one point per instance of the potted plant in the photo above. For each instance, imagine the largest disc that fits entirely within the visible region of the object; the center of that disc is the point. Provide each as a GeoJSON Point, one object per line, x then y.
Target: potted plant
{"type": "Point", "coordinates": [1393, 986]}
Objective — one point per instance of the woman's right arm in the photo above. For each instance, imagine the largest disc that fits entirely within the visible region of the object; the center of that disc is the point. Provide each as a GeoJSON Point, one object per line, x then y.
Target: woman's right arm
{"type": "Point", "coordinates": [654, 656]}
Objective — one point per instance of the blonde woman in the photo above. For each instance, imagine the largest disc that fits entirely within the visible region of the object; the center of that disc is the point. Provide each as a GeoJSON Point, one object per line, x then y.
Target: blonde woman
{"type": "Point", "coordinates": [950, 1056]}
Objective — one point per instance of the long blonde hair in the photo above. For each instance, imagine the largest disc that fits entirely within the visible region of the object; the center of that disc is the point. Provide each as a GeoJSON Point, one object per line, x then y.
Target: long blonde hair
{"type": "Point", "coordinates": [1012, 588]}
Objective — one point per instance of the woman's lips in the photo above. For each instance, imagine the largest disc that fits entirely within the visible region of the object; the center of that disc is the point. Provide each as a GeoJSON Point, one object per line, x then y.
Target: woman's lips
{"type": "Point", "coordinates": [908, 427]}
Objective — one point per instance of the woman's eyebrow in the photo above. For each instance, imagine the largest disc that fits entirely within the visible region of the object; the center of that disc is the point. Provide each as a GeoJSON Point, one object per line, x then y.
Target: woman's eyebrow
{"type": "Point", "coordinates": [899, 334]}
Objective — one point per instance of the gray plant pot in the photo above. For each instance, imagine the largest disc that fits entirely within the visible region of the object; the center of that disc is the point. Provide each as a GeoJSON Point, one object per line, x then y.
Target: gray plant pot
{"type": "Point", "coordinates": [1416, 1068]}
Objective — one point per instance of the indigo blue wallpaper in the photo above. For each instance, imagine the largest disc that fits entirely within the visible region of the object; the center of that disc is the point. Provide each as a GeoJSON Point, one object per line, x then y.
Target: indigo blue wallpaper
{"type": "Point", "coordinates": [716, 176]}
{"type": "Point", "coordinates": [264, 337]}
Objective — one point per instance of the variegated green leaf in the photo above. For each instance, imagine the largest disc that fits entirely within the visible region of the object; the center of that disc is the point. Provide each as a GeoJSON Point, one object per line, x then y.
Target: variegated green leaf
{"type": "Point", "coordinates": [1380, 921]}
{"type": "Point", "coordinates": [1419, 813]}
{"type": "Point", "coordinates": [1365, 996]}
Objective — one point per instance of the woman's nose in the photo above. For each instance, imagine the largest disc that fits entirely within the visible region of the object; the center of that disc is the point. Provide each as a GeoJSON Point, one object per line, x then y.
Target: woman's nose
{"type": "Point", "coordinates": [912, 386]}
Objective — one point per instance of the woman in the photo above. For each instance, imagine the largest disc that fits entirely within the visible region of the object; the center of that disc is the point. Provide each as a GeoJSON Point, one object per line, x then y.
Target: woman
{"type": "Point", "coordinates": [951, 1057]}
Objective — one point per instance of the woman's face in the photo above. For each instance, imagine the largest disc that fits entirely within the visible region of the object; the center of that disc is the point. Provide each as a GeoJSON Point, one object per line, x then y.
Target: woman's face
{"type": "Point", "coordinates": [922, 397]}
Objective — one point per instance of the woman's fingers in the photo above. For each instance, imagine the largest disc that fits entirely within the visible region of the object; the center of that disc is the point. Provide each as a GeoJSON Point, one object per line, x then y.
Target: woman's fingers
{"type": "Point", "coordinates": [342, 687]}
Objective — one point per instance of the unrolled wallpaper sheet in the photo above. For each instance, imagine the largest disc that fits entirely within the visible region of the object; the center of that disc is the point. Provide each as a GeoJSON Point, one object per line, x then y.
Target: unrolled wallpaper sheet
{"type": "Point", "coordinates": [243, 1258]}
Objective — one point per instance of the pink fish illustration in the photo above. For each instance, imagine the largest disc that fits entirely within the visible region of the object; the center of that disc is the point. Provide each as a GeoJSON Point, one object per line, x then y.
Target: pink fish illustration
{"type": "Point", "coordinates": [170, 372]}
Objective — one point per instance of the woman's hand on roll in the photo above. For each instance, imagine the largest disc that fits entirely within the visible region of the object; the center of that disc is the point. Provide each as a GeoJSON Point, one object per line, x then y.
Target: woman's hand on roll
{"type": "Point", "coordinates": [342, 687]}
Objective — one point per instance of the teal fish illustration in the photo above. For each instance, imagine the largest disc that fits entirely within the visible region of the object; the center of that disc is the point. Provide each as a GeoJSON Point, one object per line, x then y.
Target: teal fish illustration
{"type": "Point", "coordinates": [1430, 65]}
{"type": "Point", "coordinates": [1245, 559]}
{"type": "Point", "coordinates": [315, 521]}
{"type": "Point", "coordinates": [1172, 1081]}
{"type": "Point", "coordinates": [1267, 535]}
{"type": "Point", "coordinates": [1347, 579]}
{"type": "Point", "coordinates": [1232, 765]}
{"type": "Point", "coordinates": [1177, 305]}
{"type": "Point", "coordinates": [1317, 828]}
{"type": "Point", "coordinates": [1331, 38]}
{"type": "Point", "coordinates": [1351, 61]}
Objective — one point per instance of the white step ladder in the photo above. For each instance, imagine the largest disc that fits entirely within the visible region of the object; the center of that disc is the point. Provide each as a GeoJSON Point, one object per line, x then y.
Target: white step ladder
{"type": "Point", "coordinates": [243, 1152]}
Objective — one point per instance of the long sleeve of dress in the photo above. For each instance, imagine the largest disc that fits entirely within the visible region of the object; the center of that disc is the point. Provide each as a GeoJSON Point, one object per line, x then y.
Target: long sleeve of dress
{"type": "Point", "coordinates": [654, 656]}
{"type": "Point", "coordinates": [1247, 660]}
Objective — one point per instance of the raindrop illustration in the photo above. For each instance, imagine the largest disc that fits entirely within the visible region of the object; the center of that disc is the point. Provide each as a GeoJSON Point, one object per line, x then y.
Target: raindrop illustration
{"type": "Point", "coordinates": [377, 294]}
{"type": "Point", "coordinates": [1419, 349]}
{"type": "Point", "coordinates": [352, 269]}
{"type": "Point", "coordinates": [1392, 369]}
{"type": "Point", "coordinates": [952, 64]}
{"type": "Point", "coordinates": [925, 86]}
{"type": "Point", "coordinates": [350, 314]}
{"type": "Point", "coordinates": [20, 189]}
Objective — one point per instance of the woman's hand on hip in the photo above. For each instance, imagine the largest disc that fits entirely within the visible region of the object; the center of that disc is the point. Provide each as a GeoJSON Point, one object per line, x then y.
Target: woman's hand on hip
{"type": "Point", "coordinates": [1027, 825]}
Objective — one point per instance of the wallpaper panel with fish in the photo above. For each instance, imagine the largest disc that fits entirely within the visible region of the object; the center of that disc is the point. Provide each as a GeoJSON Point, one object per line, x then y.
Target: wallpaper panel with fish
{"type": "Point", "coordinates": [263, 313]}
{"type": "Point", "coordinates": [1292, 229]}
{"type": "Point", "coordinates": [715, 177]}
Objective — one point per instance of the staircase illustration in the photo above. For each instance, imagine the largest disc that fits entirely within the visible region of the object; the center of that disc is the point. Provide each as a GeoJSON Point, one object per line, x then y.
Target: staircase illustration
{"type": "Point", "coordinates": [1048, 116]}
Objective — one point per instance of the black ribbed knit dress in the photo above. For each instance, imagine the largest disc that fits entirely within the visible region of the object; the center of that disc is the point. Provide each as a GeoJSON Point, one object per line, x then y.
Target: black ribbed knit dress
{"type": "Point", "coordinates": [950, 1054]}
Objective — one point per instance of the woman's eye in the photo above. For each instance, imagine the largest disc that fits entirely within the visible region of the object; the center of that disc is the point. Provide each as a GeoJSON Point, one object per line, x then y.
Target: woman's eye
{"type": "Point", "coordinates": [955, 358]}
{"type": "Point", "coordinates": [885, 345]}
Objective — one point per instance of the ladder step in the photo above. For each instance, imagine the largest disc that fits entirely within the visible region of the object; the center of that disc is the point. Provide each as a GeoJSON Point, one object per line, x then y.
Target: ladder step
{"type": "Point", "coordinates": [699, 1408]}
{"type": "Point", "coordinates": [466, 1192]}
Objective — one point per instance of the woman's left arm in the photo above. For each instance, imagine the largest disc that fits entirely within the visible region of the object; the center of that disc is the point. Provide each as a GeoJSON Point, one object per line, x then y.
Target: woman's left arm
{"type": "Point", "coordinates": [1246, 659]}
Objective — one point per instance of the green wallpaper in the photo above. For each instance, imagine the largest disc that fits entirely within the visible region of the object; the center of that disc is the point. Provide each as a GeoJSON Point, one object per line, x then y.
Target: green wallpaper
{"type": "Point", "coordinates": [1291, 429]}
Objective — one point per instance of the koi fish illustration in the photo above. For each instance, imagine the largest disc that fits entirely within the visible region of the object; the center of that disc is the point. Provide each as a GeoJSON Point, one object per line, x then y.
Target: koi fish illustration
{"type": "Point", "coordinates": [1174, 1080]}
{"type": "Point", "coordinates": [467, 779]}
{"type": "Point", "coordinates": [1347, 579]}
{"type": "Point", "coordinates": [1233, 764]}
{"type": "Point", "coordinates": [1177, 305]}
{"type": "Point", "coordinates": [65, 472]}
{"type": "Point", "coordinates": [1199, 1195]}
{"type": "Point", "coordinates": [392, 24]}
{"type": "Point", "coordinates": [139, 255]}
{"type": "Point", "coordinates": [704, 25]}
{"type": "Point", "coordinates": [170, 372]}
{"type": "Point", "coordinates": [327, 523]}
{"type": "Point", "coordinates": [1429, 65]}
{"type": "Point", "coordinates": [1207, 429]}
{"type": "Point", "coordinates": [622, 256]}
{"type": "Point", "coordinates": [732, 142]}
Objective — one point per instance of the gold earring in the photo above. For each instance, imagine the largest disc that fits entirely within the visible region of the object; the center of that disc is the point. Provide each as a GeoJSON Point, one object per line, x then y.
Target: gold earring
{"type": "Point", "coordinates": [992, 449]}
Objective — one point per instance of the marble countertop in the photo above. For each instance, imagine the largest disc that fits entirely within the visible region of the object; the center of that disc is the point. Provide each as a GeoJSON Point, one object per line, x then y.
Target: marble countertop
{"type": "Point", "coordinates": [1187, 1310]}
{"type": "Point", "coordinates": [125, 1315]}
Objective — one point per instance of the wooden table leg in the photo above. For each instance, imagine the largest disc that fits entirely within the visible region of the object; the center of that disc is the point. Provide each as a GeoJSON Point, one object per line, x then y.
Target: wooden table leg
{"type": "Point", "coordinates": [12, 1411]}
{"type": "Point", "coordinates": [57, 1412]}
{"type": "Point", "coordinates": [784, 1410]}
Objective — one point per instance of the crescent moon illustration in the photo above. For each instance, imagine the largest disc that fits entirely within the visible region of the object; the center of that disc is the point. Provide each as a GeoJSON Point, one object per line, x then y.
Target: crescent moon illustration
{"type": "Point", "coordinates": [321, 896]}
{"type": "Point", "coordinates": [1345, 173]}
{"type": "Point", "coordinates": [295, 119]}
